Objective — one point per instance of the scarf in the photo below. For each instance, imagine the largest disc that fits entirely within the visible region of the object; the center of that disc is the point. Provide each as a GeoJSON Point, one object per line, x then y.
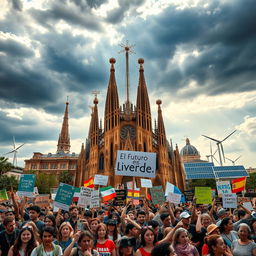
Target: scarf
{"type": "Point", "coordinates": [184, 250]}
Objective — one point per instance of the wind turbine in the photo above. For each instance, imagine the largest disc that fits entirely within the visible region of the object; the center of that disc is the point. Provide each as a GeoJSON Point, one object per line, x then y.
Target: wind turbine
{"type": "Point", "coordinates": [14, 151]}
{"type": "Point", "coordinates": [220, 146]}
{"type": "Point", "coordinates": [233, 161]}
{"type": "Point", "coordinates": [212, 154]}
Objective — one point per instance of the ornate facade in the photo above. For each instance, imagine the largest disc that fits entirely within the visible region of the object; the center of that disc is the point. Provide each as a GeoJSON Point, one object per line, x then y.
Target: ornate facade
{"type": "Point", "coordinates": [128, 127]}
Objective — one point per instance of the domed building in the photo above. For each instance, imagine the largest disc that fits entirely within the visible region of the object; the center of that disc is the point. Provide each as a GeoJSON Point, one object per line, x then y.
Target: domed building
{"type": "Point", "coordinates": [189, 153]}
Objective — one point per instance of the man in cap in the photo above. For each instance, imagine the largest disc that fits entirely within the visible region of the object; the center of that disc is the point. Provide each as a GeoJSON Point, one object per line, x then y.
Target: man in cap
{"type": "Point", "coordinates": [221, 214]}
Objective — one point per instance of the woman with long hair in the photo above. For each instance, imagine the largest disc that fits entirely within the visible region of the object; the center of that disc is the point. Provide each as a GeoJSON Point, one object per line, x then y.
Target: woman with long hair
{"type": "Point", "coordinates": [244, 245]}
{"type": "Point", "coordinates": [50, 221]}
{"type": "Point", "coordinates": [217, 247]}
{"type": "Point", "coordinates": [227, 232]}
{"type": "Point", "coordinates": [148, 241]}
{"type": "Point", "coordinates": [112, 230]}
{"type": "Point", "coordinates": [24, 244]}
{"type": "Point", "coordinates": [182, 245]}
{"type": "Point", "coordinates": [47, 247]}
{"type": "Point", "coordinates": [93, 225]}
{"type": "Point", "coordinates": [104, 245]}
{"type": "Point", "coordinates": [32, 225]}
{"type": "Point", "coordinates": [84, 240]}
{"type": "Point", "coordinates": [64, 236]}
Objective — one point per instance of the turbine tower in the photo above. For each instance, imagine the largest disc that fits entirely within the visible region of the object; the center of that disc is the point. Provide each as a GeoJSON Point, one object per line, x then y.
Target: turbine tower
{"type": "Point", "coordinates": [14, 151]}
{"type": "Point", "coordinates": [220, 146]}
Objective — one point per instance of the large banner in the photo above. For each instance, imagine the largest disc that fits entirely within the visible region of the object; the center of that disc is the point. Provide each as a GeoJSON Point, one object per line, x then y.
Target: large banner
{"type": "Point", "coordinates": [26, 185]}
{"type": "Point", "coordinates": [135, 163]}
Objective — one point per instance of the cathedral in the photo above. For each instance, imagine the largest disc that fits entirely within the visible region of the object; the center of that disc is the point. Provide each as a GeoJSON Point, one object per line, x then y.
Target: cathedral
{"type": "Point", "coordinates": [126, 127]}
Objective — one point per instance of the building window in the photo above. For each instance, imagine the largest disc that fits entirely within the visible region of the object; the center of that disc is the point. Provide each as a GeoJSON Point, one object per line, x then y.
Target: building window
{"type": "Point", "coordinates": [63, 166]}
{"type": "Point", "coordinates": [44, 166]}
{"type": "Point", "coordinates": [72, 166]}
{"type": "Point", "coordinates": [33, 167]}
{"type": "Point", "coordinates": [101, 162]}
{"type": "Point", "coordinates": [54, 166]}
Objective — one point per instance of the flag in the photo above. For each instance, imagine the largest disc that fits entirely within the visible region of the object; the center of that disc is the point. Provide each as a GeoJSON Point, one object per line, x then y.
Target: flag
{"type": "Point", "coordinates": [89, 183]}
{"type": "Point", "coordinates": [76, 195]}
{"type": "Point", "coordinates": [173, 189]}
{"type": "Point", "coordinates": [238, 185]}
{"type": "Point", "coordinates": [133, 193]}
{"type": "Point", "coordinates": [107, 193]}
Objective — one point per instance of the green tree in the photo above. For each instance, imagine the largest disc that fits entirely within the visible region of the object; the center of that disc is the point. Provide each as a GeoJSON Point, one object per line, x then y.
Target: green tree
{"type": "Point", "coordinates": [66, 177]}
{"type": "Point", "coordinates": [44, 182]}
{"type": "Point", "coordinates": [251, 181]}
{"type": "Point", "coordinates": [203, 183]}
{"type": "Point", "coordinates": [5, 166]}
{"type": "Point", "coordinates": [8, 182]}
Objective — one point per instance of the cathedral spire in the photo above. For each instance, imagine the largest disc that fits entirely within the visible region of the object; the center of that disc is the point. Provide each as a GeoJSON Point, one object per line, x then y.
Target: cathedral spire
{"type": "Point", "coordinates": [160, 123]}
{"type": "Point", "coordinates": [64, 139]}
{"type": "Point", "coordinates": [94, 125]}
{"type": "Point", "coordinates": [142, 104]}
{"type": "Point", "coordinates": [112, 101]}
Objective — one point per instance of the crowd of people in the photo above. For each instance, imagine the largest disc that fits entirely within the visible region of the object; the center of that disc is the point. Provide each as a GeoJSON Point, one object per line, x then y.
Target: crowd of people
{"type": "Point", "coordinates": [142, 230]}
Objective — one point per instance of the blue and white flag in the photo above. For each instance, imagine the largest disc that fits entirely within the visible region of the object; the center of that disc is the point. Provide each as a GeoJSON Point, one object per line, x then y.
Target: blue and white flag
{"type": "Point", "coordinates": [173, 189]}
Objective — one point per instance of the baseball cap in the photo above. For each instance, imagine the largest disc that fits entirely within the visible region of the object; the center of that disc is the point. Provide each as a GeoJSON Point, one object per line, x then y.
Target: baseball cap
{"type": "Point", "coordinates": [185, 215]}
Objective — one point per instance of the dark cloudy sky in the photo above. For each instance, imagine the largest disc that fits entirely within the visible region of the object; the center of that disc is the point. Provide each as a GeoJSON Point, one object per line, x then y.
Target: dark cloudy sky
{"type": "Point", "coordinates": [200, 59]}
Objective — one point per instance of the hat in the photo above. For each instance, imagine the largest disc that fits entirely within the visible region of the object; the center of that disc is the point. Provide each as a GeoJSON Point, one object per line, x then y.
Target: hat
{"type": "Point", "coordinates": [112, 222]}
{"type": "Point", "coordinates": [185, 215]}
{"type": "Point", "coordinates": [211, 228]}
{"type": "Point", "coordinates": [221, 212]}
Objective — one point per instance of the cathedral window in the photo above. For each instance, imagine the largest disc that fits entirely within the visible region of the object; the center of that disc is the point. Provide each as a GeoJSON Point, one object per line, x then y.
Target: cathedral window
{"type": "Point", "coordinates": [101, 162]}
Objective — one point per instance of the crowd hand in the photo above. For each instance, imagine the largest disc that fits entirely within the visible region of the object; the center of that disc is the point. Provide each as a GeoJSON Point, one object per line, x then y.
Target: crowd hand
{"type": "Point", "coordinates": [75, 237]}
{"type": "Point", "coordinates": [179, 224]}
{"type": "Point", "coordinates": [228, 252]}
{"type": "Point", "coordinates": [87, 253]}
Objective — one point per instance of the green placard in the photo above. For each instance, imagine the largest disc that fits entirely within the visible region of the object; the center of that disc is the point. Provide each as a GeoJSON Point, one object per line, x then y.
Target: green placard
{"type": "Point", "coordinates": [3, 195]}
{"type": "Point", "coordinates": [26, 185]}
{"type": "Point", "coordinates": [203, 195]}
{"type": "Point", "coordinates": [157, 195]}
{"type": "Point", "coordinates": [64, 196]}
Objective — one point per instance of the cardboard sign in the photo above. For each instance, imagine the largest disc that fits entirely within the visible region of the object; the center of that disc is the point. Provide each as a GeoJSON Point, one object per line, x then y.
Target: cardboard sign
{"type": "Point", "coordinates": [3, 195]}
{"type": "Point", "coordinates": [26, 185]}
{"type": "Point", "coordinates": [203, 195]}
{"type": "Point", "coordinates": [95, 199]}
{"type": "Point", "coordinates": [189, 195]}
{"type": "Point", "coordinates": [135, 163]}
{"type": "Point", "coordinates": [100, 180]}
{"type": "Point", "coordinates": [120, 197]}
{"type": "Point", "coordinates": [146, 183]}
{"type": "Point", "coordinates": [85, 197]}
{"type": "Point", "coordinates": [229, 200]}
{"type": "Point", "coordinates": [42, 201]}
{"type": "Point", "coordinates": [63, 198]}
{"type": "Point", "coordinates": [157, 195]}
{"type": "Point", "coordinates": [223, 187]}
{"type": "Point", "coordinates": [174, 198]}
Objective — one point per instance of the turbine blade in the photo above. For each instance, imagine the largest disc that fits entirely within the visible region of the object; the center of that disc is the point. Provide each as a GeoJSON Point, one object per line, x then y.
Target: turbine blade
{"type": "Point", "coordinates": [20, 146]}
{"type": "Point", "coordinates": [10, 152]}
{"type": "Point", "coordinates": [215, 152]}
{"type": "Point", "coordinates": [211, 147]}
{"type": "Point", "coordinates": [13, 142]}
{"type": "Point", "coordinates": [216, 159]}
{"type": "Point", "coordinates": [210, 138]}
{"type": "Point", "coordinates": [229, 135]}
{"type": "Point", "coordinates": [237, 158]}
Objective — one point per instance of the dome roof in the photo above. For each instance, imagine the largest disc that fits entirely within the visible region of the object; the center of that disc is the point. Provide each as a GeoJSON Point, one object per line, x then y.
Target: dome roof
{"type": "Point", "coordinates": [189, 150]}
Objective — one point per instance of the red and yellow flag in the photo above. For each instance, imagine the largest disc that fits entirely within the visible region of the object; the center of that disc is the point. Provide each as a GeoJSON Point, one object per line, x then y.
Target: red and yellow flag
{"type": "Point", "coordinates": [89, 183]}
{"type": "Point", "coordinates": [238, 185]}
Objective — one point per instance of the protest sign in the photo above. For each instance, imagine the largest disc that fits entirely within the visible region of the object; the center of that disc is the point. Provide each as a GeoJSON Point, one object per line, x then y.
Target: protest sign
{"type": "Point", "coordinates": [26, 185]}
{"type": "Point", "coordinates": [63, 198]}
{"type": "Point", "coordinates": [229, 200]}
{"type": "Point", "coordinates": [100, 180]}
{"type": "Point", "coordinates": [248, 205]}
{"type": "Point", "coordinates": [95, 199]}
{"type": "Point", "coordinates": [146, 183]}
{"type": "Point", "coordinates": [203, 195]}
{"type": "Point", "coordinates": [136, 164]}
{"type": "Point", "coordinates": [85, 197]}
{"type": "Point", "coordinates": [174, 198]}
{"type": "Point", "coordinates": [189, 195]}
{"type": "Point", "coordinates": [171, 188]}
{"type": "Point", "coordinates": [3, 195]}
{"type": "Point", "coordinates": [223, 187]}
{"type": "Point", "coordinates": [42, 200]}
{"type": "Point", "coordinates": [120, 197]}
{"type": "Point", "coordinates": [157, 195]}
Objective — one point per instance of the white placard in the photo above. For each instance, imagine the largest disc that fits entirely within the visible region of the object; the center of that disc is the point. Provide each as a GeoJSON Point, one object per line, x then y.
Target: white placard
{"type": "Point", "coordinates": [146, 183]}
{"type": "Point", "coordinates": [129, 185]}
{"type": "Point", "coordinates": [136, 164]}
{"type": "Point", "coordinates": [229, 200]}
{"type": "Point", "coordinates": [85, 197]}
{"type": "Point", "coordinates": [100, 180]}
{"type": "Point", "coordinates": [95, 199]}
{"type": "Point", "coordinates": [174, 198]}
{"type": "Point", "coordinates": [223, 187]}
{"type": "Point", "coordinates": [248, 205]}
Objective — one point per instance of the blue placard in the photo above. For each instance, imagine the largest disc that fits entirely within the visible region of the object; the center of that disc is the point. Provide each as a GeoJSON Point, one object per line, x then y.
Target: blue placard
{"type": "Point", "coordinates": [26, 185]}
{"type": "Point", "coordinates": [64, 196]}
